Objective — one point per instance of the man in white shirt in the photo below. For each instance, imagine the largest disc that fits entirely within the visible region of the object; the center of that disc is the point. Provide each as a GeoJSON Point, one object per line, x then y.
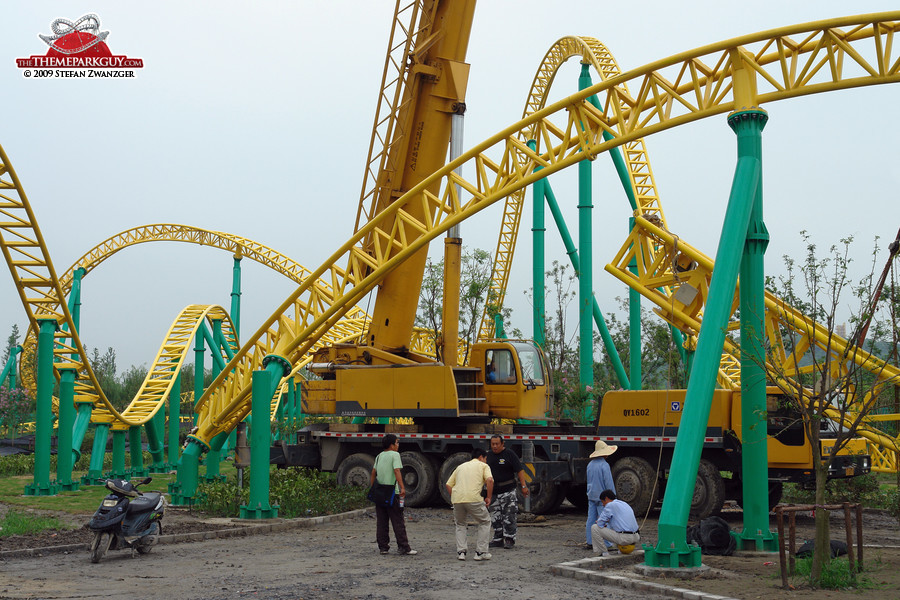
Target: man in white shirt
{"type": "Point", "coordinates": [464, 487]}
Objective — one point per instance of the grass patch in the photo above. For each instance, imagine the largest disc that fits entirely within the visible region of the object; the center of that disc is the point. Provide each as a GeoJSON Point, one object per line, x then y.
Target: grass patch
{"type": "Point", "coordinates": [298, 492]}
{"type": "Point", "coordinates": [835, 575]}
{"type": "Point", "coordinates": [18, 523]}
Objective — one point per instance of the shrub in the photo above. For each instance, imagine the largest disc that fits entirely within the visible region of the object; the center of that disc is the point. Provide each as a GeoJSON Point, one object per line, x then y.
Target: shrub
{"type": "Point", "coordinates": [864, 489]}
{"type": "Point", "coordinates": [835, 575]}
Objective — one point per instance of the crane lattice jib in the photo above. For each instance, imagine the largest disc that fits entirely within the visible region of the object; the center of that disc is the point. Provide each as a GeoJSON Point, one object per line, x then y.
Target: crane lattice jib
{"type": "Point", "coordinates": [382, 163]}
{"type": "Point", "coordinates": [671, 92]}
{"type": "Point", "coordinates": [676, 277]}
{"type": "Point", "coordinates": [593, 52]}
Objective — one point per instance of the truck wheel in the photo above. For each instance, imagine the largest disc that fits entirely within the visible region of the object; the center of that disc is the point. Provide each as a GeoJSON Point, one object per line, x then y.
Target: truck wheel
{"type": "Point", "coordinates": [577, 495]}
{"type": "Point", "coordinates": [419, 478]}
{"type": "Point", "coordinates": [447, 470]}
{"type": "Point", "coordinates": [635, 479]}
{"type": "Point", "coordinates": [545, 497]}
{"type": "Point", "coordinates": [356, 469]}
{"type": "Point", "coordinates": [709, 491]}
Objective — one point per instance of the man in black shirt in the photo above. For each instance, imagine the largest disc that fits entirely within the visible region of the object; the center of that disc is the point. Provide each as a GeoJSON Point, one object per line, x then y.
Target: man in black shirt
{"type": "Point", "coordinates": [506, 468]}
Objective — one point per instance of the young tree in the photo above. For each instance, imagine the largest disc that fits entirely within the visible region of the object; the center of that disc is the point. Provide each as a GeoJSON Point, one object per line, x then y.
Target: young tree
{"type": "Point", "coordinates": [836, 383]}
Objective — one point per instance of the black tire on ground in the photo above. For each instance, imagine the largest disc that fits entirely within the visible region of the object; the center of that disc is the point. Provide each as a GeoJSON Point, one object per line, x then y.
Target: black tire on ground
{"type": "Point", "coordinates": [776, 489]}
{"type": "Point", "coordinates": [709, 491]}
{"type": "Point", "coordinates": [635, 479]}
{"type": "Point", "coordinates": [419, 478]}
{"type": "Point", "coordinates": [577, 495]}
{"type": "Point", "coordinates": [446, 470]}
{"type": "Point", "coordinates": [545, 497]}
{"type": "Point", "coordinates": [356, 469]}
{"type": "Point", "coordinates": [99, 546]}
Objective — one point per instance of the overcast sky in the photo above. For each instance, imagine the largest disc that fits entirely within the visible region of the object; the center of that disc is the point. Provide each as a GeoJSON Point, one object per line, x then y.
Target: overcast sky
{"type": "Point", "coordinates": [254, 119]}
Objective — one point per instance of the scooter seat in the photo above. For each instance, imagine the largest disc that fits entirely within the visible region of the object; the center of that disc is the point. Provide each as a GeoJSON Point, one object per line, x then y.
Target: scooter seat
{"type": "Point", "coordinates": [144, 502]}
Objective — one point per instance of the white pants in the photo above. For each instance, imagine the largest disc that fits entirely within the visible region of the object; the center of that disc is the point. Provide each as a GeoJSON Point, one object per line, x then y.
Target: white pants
{"type": "Point", "coordinates": [479, 513]}
{"type": "Point", "coordinates": [600, 535]}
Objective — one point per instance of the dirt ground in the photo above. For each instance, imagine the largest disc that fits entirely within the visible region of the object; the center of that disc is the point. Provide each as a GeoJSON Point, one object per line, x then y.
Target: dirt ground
{"type": "Point", "coordinates": [340, 560]}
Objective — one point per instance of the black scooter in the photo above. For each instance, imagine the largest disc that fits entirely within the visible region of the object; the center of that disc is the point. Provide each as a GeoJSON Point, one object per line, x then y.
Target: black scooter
{"type": "Point", "coordinates": [126, 518]}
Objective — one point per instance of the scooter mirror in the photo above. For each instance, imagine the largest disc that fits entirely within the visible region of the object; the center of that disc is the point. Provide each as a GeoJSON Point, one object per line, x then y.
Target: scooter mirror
{"type": "Point", "coordinates": [146, 480]}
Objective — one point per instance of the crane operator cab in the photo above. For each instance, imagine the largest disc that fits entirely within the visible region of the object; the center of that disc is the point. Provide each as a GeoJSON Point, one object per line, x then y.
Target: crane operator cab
{"type": "Point", "coordinates": [516, 380]}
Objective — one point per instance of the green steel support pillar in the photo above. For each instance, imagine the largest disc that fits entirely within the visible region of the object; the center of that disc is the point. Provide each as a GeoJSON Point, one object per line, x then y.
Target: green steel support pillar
{"type": "Point", "coordinates": [672, 549]}
{"type": "Point", "coordinates": [9, 370]}
{"type": "Point", "coordinates": [236, 295]}
{"type": "Point", "coordinates": [754, 446]}
{"type": "Point", "coordinates": [118, 458]}
{"type": "Point", "coordinates": [214, 456]}
{"type": "Point", "coordinates": [634, 326]}
{"type": "Point", "coordinates": [136, 447]}
{"type": "Point", "coordinates": [585, 268]}
{"type": "Point", "coordinates": [64, 428]}
{"type": "Point", "coordinates": [199, 349]}
{"type": "Point", "coordinates": [156, 435]}
{"type": "Point", "coordinates": [175, 421]}
{"type": "Point", "coordinates": [183, 490]}
{"type": "Point", "coordinates": [82, 422]}
{"type": "Point", "coordinates": [563, 229]}
{"type": "Point", "coordinates": [94, 475]}
{"type": "Point", "coordinates": [499, 331]}
{"type": "Point", "coordinates": [264, 385]}
{"type": "Point", "coordinates": [43, 429]}
{"type": "Point", "coordinates": [538, 235]}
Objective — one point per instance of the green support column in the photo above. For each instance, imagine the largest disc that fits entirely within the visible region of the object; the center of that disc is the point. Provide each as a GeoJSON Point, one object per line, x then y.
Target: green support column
{"type": "Point", "coordinates": [43, 430]}
{"type": "Point", "coordinates": [136, 446]}
{"type": "Point", "coordinates": [175, 422]}
{"type": "Point", "coordinates": [214, 456]}
{"type": "Point", "coordinates": [156, 435]}
{"type": "Point", "coordinates": [236, 295]}
{"type": "Point", "coordinates": [118, 453]}
{"type": "Point", "coordinates": [199, 349]}
{"type": "Point", "coordinates": [585, 268]}
{"type": "Point", "coordinates": [538, 235]}
{"type": "Point", "coordinates": [264, 385]}
{"type": "Point", "coordinates": [82, 422]}
{"type": "Point", "coordinates": [672, 549]}
{"type": "Point", "coordinates": [9, 370]}
{"type": "Point", "coordinates": [183, 490]}
{"type": "Point", "coordinates": [94, 475]}
{"type": "Point", "coordinates": [572, 252]}
{"type": "Point", "coordinates": [64, 428]}
{"type": "Point", "coordinates": [634, 326]}
{"type": "Point", "coordinates": [754, 446]}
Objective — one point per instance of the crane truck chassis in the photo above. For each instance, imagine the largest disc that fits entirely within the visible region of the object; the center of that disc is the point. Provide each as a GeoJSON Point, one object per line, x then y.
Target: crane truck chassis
{"type": "Point", "coordinates": [506, 380]}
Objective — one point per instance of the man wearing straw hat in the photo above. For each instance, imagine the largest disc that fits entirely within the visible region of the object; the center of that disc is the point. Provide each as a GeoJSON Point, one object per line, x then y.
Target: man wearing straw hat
{"type": "Point", "coordinates": [599, 478]}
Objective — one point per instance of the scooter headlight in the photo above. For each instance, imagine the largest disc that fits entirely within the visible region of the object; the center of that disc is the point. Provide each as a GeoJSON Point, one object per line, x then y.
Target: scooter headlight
{"type": "Point", "coordinates": [109, 502]}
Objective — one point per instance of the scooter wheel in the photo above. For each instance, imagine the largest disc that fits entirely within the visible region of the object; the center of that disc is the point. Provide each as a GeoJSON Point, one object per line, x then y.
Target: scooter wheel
{"type": "Point", "coordinates": [99, 546]}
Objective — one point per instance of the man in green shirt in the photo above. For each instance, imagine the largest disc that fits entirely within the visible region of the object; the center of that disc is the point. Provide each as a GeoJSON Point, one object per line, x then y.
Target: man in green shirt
{"type": "Point", "coordinates": [387, 470]}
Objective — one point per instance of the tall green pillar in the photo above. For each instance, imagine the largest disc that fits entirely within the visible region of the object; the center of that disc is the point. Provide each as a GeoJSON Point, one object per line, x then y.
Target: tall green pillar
{"type": "Point", "coordinates": [64, 459]}
{"type": "Point", "coordinates": [585, 269]}
{"type": "Point", "coordinates": [199, 349]}
{"type": "Point", "coordinates": [119, 471]}
{"type": "Point", "coordinates": [156, 435]}
{"type": "Point", "coordinates": [83, 409]}
{"type": "Point", "coordinates": [136, 447]}
{"type": "Point", "coordinates": [672, 549]}
{"type": "Point", "coordinates": [8, 375]}
{"type": "Point", "coordinates": [634, 326]}
{"type": "Point", "coordinates": [538, 235]}
{"type": "Point", "coordinates": [754, 445]}
{"type": "Point", "coordinates": [94, 475]}
{"type": "Point", "coordinates": [264, 384]}
{"type": "Point", "coordinates": [175, 422]}
{"type": "Point", "coordinates": [213, 457]}
{"type": "Point", "coordinates": [43, 429]}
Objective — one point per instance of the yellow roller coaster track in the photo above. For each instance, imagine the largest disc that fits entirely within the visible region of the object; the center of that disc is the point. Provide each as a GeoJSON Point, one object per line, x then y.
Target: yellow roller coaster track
{"type": "Point", "coordinates": [593, 52]}
{"type": "Point", "coordinates": [828, 55]}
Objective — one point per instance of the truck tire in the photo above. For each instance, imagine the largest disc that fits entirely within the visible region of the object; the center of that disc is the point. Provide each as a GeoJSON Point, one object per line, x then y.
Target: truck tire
{"type": "Point", "coordinates": [635, 479]}
{"type": "Point", "coordinates": [545, 497]}
{"type": "Point", "coordinates": [709, 491]}
{"type": "Point", "coordinates": [419, 478]}
{"type": "Point", "coordinates": [453, 461]}
{"type": "Point", "coordinates": [356, 469]}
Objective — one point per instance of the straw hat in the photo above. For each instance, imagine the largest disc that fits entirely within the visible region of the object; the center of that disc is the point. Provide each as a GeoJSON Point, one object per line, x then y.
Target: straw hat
{"type": "Point", "coordinates": [601, 448]}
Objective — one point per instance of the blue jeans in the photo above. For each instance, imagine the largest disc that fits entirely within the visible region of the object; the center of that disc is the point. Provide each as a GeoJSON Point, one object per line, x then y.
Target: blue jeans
{"type": "Point", "coordinates": [594, 508]}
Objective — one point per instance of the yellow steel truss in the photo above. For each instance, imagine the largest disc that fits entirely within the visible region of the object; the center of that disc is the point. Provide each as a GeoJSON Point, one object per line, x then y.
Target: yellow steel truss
{"type": "Point", "coordinates": [829, 55]}
{"type": "Point", "coordinates": [676, 276]}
